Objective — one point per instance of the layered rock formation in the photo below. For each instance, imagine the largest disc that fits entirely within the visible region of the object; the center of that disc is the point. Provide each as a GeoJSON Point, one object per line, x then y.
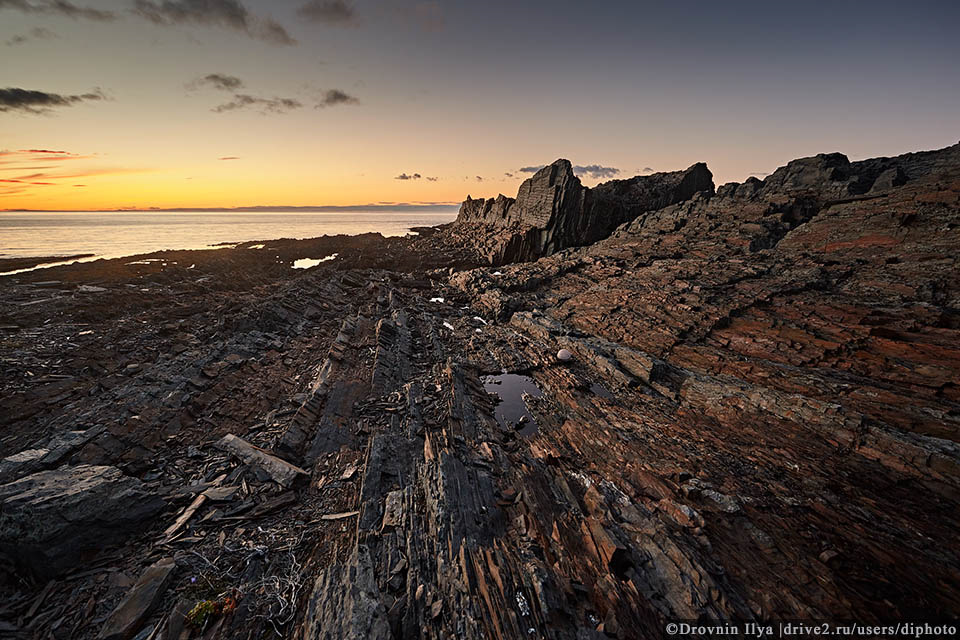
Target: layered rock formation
{"type": "Point", "coordinates": [554, 211]}
{"type": "Point", "coordinates": [760, 422]}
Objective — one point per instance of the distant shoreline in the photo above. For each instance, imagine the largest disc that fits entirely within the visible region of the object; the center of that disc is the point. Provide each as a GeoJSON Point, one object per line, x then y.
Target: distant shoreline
{"type": "Point", "coordinates": [15, 264]}
{"type": "Point", "coordinates": [400, 208]}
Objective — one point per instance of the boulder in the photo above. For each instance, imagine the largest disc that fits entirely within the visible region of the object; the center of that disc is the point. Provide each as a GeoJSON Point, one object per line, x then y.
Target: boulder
{"type": "Point", "coordinates": [53, 521]}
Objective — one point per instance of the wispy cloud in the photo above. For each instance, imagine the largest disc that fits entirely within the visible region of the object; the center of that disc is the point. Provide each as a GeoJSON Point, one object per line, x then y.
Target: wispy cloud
{"type": "Point", "coordinates": [35, 102]}
{"type": "Point", "coordinates": [50, 152]}
{"type": "Point", "coordinates": [229, 14]}
{"type": "Point", "coordinates": [595, 171]}
{"type": "Point", "coordinates": [334, 97]}
{"type": "Point", "coordinates": [220, 81]}
{"type": "Point", "coordinates": [589, 170]}
{"type": "Point", "coordinates": [330, 12]}
{"type": "Point", "coordinates": [478, 178]}
{"type": "Point", "coordinates": [408, 176]}
{"type": "Point", "coordinates": [37, 33]}
{"type": "Point", "coordinates": [432, 178]}
{"type": "Point", "coordinates": [265, 105]}
{"type": "Point", "coordinates": [20, 171]}
{"type": "Point", "coordinates": [229, 158]}
{"type": "Point", "coordinates": [26, 182]}
{"type": "Point", "coordinates": [531, 169]}
{"type": "Point", "coordinates": [59, 7]}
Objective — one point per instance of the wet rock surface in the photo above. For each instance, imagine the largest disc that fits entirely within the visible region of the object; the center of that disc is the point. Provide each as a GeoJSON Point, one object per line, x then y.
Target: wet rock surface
{"type": "Point", "coordinates": [758, 421]}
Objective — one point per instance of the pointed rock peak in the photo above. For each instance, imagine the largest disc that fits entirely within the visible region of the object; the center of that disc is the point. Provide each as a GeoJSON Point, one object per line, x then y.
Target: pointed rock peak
{"type": "Point", "coordinates": [560, 170]}
{"type": "Point", "coordinates": [695, 179]}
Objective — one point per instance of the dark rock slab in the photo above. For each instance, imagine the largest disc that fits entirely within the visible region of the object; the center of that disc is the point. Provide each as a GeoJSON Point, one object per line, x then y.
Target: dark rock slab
{"type": "Point", "coordinates": [45, 456]}
{"type": "Point", "coordinates": [53, 521]}
{"type": "Point", "coordinates": [139, 602]}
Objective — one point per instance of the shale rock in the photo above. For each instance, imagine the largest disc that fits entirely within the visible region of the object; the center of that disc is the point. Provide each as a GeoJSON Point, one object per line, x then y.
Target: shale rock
{"type": "Point", "coordinates": [139, 602]}
{"type": "Point", "coordinates": [52, 521]}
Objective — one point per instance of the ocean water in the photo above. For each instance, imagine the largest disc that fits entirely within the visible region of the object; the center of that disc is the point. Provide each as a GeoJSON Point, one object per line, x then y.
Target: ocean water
{"type": "Point", "coordinates": [119, 234]}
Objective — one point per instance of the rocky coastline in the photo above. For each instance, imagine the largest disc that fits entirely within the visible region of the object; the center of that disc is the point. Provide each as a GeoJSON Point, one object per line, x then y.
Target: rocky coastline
{"type": "Point", "coordinates": [759, 419]}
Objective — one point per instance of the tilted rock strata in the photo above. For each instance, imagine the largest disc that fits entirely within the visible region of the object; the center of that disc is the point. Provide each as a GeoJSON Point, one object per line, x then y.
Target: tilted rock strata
{"type": "Point", "coordinates": [554, 211]}
{"type": "Point", "coordinates": [760, 422]}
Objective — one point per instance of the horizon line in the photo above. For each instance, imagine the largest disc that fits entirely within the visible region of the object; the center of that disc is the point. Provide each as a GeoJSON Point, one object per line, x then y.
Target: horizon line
{"type": "Point", "coordinates": [404, 206]}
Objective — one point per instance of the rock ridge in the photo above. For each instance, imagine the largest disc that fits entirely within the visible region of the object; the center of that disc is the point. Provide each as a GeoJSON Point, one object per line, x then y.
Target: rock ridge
{"type": "Point", "coordinates": [554, 211]}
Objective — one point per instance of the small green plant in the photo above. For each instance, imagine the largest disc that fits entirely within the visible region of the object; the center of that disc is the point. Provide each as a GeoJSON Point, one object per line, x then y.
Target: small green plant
{"type": "Point", "coordinates": [205, 610]}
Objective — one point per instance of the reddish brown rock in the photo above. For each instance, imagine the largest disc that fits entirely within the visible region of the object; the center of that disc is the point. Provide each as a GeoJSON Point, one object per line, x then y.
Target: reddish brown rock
{"type": "Point", "coordinates": [760, 420]}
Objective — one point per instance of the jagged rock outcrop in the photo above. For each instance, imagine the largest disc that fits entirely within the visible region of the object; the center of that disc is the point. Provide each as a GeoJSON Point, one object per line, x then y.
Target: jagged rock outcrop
{"type": "Point", "coordinates": [760, 421]}
{"type": "Point", "coordinates": [554, 211]}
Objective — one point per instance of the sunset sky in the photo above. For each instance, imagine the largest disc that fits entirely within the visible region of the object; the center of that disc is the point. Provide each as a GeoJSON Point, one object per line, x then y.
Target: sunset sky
{"type": "Point", "coordinates": [222, 103]}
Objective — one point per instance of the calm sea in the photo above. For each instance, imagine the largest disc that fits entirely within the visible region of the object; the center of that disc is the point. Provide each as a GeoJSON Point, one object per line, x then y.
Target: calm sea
{"type": "Point", "coordinates": [118, 234]}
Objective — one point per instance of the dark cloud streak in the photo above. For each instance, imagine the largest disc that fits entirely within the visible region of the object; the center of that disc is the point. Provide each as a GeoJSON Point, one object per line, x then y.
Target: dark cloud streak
{"type": "Point", "coordinates": [30, 101]}
{"type": "Point", "coordinates": [266, 105]}
{"type": "Point", "coordinates": [335, 97]}
{"type": "Point", "coordinates": [220, 81]}
{"type": "Point", "coordinates": [406, 176]}
{"type": "Point", "coordinates": [229, 14]}
{"type": "Point", "coordinates": [59, 7]}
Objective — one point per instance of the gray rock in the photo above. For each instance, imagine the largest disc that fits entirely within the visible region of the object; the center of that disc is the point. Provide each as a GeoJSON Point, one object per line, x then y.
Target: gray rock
{"type": "Point", "coordinates": [53, 521]}
{"type": "Point", "coordinates": [346, 602]}
{"type": "Point", "coordinates": [45, 456]}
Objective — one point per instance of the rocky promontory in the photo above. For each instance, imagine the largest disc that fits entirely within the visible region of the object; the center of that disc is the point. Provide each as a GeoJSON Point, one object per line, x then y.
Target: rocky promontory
{"type": "Point", "coordinates": [554, 211]}
{"type": "Point", "coordinates": [756, 418]}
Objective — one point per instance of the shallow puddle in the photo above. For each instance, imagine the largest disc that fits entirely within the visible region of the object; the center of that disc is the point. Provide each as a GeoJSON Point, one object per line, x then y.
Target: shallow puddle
{"type": "Point", "coordinates": [306, 263]}
{"type": "Point", "coordinates": [510, 388]}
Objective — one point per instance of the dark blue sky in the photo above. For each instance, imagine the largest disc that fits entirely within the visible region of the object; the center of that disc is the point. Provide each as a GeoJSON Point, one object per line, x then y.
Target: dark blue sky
{"type": "Point", "coordinates": [457, 90]}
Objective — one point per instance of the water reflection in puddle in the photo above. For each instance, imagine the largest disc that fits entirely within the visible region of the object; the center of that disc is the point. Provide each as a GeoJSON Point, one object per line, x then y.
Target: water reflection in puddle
{"type": "Point", "coordinates": [306, 263]}
{"type": "Point", "coordinates": [511, 410]}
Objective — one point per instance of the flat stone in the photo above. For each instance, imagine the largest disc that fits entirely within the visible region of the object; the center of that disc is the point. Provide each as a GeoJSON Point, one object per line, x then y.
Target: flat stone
{"type": "Point", "coordinates": [139, 602]}
{"type": "Point", "coordinates": [282, 472]}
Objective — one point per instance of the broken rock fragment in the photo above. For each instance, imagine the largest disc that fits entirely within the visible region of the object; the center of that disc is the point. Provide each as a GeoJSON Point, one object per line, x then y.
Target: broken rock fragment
{"type": "Point", "coordinates": [282, 472]}
{"type": "Point", "coordinates": [141, 600]}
